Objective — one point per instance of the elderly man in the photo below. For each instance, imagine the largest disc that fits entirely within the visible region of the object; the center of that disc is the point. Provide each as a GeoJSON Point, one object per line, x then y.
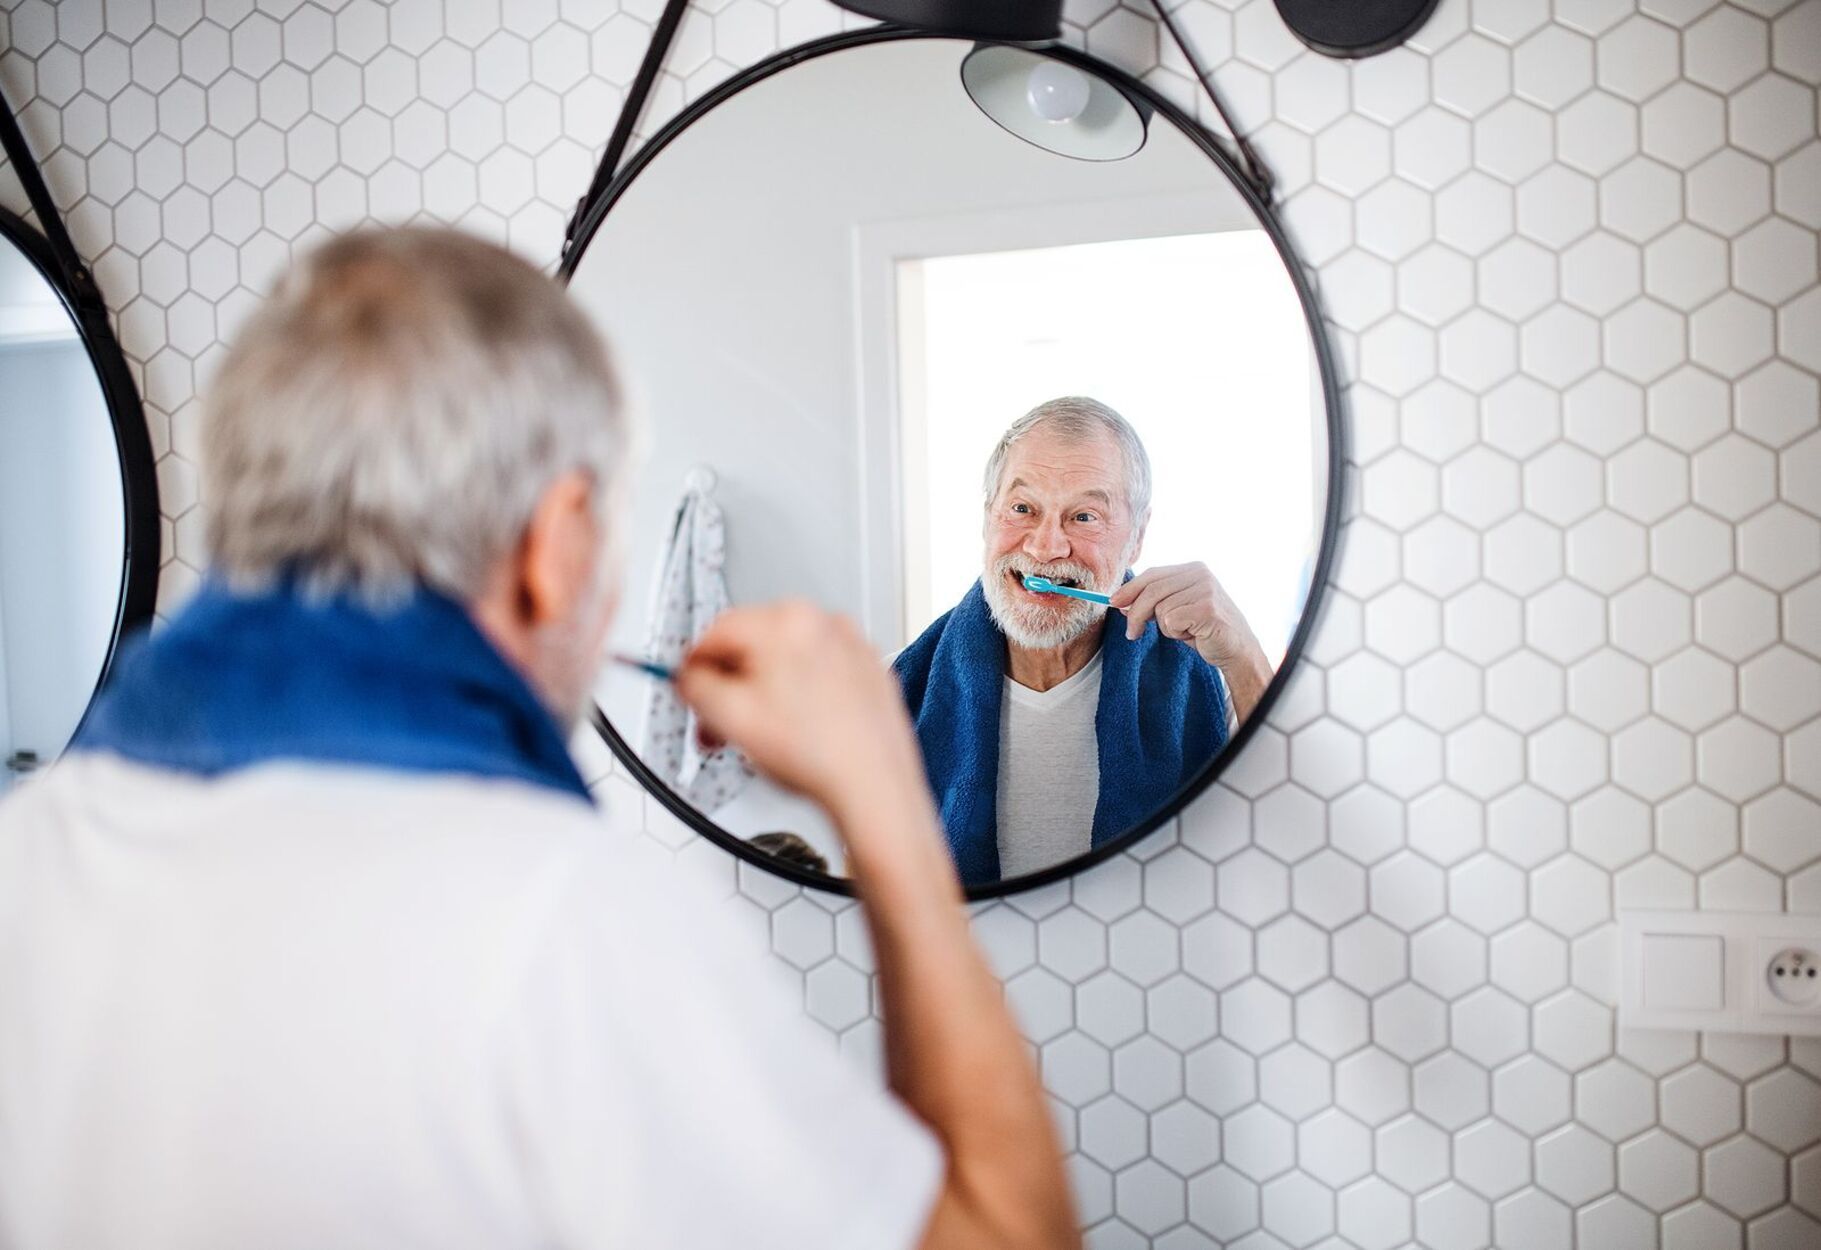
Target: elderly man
{"type": "Point", "coordinates": [1050, 724]}
{"type": "Point", "coordinates": [314, 938]}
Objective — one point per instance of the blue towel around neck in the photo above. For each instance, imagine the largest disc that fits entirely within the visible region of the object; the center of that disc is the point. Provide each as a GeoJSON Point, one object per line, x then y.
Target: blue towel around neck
{"type": "Point", "coordinates": [239, 679]}
{"type": "Point", "coordinates": [1162, 716]}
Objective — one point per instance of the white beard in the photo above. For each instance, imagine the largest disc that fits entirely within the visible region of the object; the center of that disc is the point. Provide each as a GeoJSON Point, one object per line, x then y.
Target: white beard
{"type": "Point", "coordinates": [1045, 626]}
{"type": "Point", "coordinates": [566, 654]}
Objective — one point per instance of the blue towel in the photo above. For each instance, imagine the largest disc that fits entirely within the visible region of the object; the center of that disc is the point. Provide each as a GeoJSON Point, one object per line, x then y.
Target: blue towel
{"type": "Point", "coordinates": [242, 679]}
{"type": "Point", "coordinates": [1162, 716]}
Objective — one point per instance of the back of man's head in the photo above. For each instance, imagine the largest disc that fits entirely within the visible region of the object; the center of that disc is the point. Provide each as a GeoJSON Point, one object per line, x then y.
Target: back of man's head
{"type": "Point", "coordinates": [394, 413]}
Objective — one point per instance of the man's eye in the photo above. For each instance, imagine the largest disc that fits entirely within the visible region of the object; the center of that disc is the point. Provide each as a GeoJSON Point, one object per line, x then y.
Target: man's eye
{"type": "Point", "coordinates": [1021, 508]}
{"type": "Point", "coordinates": [1086, 518]}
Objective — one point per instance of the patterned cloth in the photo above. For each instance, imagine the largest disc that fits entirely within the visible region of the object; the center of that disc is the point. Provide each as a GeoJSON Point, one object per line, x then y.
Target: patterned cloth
{"type": "Point", "coordinates": [689, 594]}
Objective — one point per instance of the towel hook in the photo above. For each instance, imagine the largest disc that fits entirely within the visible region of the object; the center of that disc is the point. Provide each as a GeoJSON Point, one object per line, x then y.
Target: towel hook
{"type": "Point", "coordinates": [699, 480]}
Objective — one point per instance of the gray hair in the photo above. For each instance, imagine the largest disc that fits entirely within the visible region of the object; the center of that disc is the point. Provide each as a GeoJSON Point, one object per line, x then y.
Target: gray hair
{"type": "Point", "coordinates": [1077, 417]}
{"type": "Point", "coordinates": [396, 410]}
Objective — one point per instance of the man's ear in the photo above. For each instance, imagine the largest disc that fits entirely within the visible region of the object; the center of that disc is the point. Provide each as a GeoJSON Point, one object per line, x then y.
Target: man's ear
{"type": "Point", "coordinates": [558, 554]}
{"type": "Point", "coordinates": [1138, 538]}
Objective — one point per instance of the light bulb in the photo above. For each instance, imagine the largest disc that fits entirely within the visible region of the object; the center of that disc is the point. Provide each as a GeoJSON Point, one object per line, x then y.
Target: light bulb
{"type": "Point", "coordinates": [1057, 92]}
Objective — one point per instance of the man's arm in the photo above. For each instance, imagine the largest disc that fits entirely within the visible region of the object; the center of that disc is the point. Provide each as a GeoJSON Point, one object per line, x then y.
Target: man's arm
{"type": "Point", "coordinates": [1189, 604]}
{"type": "Point", "coordinates": [802, 694]}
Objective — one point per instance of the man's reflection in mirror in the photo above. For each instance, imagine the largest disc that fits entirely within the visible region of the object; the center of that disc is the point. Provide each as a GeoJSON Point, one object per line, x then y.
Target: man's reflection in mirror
{"type": "Point", "coordinates": [1051, 724]}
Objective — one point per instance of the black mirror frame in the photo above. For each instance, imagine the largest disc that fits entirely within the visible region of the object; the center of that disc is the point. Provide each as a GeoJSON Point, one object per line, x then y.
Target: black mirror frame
{"type": "Point", "coordinates": [141, 550]}
{"type": "Point", "coordinates": [612, 183]}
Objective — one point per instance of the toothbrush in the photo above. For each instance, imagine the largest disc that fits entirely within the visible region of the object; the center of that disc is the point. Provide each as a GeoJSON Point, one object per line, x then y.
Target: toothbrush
{"type": "Point", "coordinates": [1044, 586]}
{"type": "Point", "coordinates": [651, 668]}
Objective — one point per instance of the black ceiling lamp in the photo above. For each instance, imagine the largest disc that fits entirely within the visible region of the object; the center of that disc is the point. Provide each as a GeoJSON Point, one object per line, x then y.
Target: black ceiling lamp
{"type": "Point", "coordinates": [1009, 21]}
{"type": "Point", "coordinates": [1048, 107]}
{"type": "Point", "coordinates": [1056, 106]}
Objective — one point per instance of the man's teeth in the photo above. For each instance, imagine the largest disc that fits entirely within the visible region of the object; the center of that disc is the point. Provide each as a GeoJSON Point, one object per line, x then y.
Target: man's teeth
{"type": "Point", "coordinates": [1073, 583]}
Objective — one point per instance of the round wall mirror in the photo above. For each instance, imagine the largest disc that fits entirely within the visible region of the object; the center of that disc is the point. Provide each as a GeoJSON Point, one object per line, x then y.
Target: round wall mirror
{"type": "Point", "coordinates": [905, 359]}
{"type": "Point", "coordinates": [78, 504]}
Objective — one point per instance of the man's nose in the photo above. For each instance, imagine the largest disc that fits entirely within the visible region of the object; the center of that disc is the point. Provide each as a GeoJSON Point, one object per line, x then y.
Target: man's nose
{"type": "Point", "coordinates": [1047, 542]}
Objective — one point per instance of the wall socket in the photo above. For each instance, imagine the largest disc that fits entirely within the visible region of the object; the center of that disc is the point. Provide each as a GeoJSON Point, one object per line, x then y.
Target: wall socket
{"type": "Point", "coordinates": [1793, 974]}
{"type": "Point", "coordinates": [1734, 972]}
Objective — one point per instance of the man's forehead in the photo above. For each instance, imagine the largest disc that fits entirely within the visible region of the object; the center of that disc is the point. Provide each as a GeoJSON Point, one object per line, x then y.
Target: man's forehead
{"type": "Point", "coordinates": [1049, 460]}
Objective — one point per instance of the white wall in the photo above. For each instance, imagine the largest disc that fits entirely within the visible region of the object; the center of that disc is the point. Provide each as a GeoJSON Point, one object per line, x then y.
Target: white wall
{"type": "Point", "coordinates": [1364, 985]}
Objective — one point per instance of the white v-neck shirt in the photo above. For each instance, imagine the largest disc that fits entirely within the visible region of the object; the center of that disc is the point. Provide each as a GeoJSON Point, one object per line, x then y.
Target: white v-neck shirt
{"type": "Point", "coordinates": [1049, 771]}
{"type": "Point", "coordinates": [303, 1006]}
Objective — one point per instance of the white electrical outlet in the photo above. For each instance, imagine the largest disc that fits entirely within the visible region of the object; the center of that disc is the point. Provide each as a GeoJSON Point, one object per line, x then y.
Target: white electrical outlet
{"type": "Point", "coordinates": [1732, 972]}
{"type": "Point", "coordinates": [1792, 974]}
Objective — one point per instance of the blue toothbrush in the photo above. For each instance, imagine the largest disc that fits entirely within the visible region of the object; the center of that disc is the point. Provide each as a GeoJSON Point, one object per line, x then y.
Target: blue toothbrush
{"type": "Point", "coordinates": [1044, 586]}
{"type": "Point", "coordinates": [651, 668]}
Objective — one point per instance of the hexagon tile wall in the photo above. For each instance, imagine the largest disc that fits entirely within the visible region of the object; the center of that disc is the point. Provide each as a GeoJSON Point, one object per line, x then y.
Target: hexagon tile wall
{"type": "Point", "coordinates": [1360, 994]}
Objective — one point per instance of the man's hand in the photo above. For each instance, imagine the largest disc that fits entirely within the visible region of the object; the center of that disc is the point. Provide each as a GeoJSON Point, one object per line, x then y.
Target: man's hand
{"type": "Point", "coordinates": [803, 695]}
{"type": "Point", "coordinates": [1190, 605]}
{"type": "Point", "coordinates": [801, 692]}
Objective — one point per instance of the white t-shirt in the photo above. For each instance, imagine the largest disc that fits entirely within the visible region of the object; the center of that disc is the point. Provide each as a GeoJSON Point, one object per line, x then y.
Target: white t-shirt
{"type": "Point", "coordinates": [314, 1006]}
{"type": "Point", "coordinates": [1049, 771]}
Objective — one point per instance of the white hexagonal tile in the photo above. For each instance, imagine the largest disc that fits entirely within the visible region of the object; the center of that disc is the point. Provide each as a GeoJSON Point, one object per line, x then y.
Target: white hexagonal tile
{"type": "Point", "coordinates": [1780, 547]}
{"type": "Point", "coordinates": [1615, 1100]}
{"type": "Point", "coordinates": [1726, 49]}
{"type": "Point", "coordinates": [1553, 66]}
{"type": "Point", "coordinates": [1784, 1109]}
{"type": "Point", "coordinates": [1369, 955]}
{"type": "Point", "coordinates": [1640, 199]}
{"type": "Point", "coordinates": [1574, 1164]}
{"type": "Point", "coordinates": [1492, 1159]}
{"type": "Point", "coordinates": [1412, 1154]}
{"type": "Point", "coordinates": [1685, 266]}
{"type": "Point", "coordinates": [1332, 1019]}
{"type": "Point", "coordinates": [1526, 826]}
{"type": "Point", "coordinates": [1258, 1142]}
{"type": "Point", "coordinates": [1470, 75]}
{"type": "Point", "coordinates": [1223, 1202]}
{"type": "Point", "coordinates": [1570, 896]}
{"type": "Point", "coordinates": [1529, 962]}
{"type": "Point", "coordinates": [1683, 125]}
{"type": "Point", "coordinates": [1488, 1027]}
{"type": "Point", "coordinates": [1692, 549]}
{"type": "Point", "coordinates": [1743, 1176]}
{"type": "Point", "coordinates": [1637, 58]}
{"type": "Point", "coordinates": [1594, 135]}
{"type": "Point", "coordinates": [1728, 192]}
{"type": "Point", "coordinates": [1658, 1171]}
{"type": "Point", "coordinates": [1532, 1095]}
{"type": "Point", "coordinates": [1432, 148]}
{"type": "Point", "coordinates": [1255, 1016]}
{"type": "Point", "coordinates": [1147, 1073]}
{"type": "Point", "coordinates": [1452, 1217]}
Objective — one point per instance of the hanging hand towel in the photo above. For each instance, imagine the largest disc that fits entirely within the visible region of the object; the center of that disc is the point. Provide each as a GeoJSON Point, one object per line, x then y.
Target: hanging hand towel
{"type": "Point", "coordinates": [691, 591]}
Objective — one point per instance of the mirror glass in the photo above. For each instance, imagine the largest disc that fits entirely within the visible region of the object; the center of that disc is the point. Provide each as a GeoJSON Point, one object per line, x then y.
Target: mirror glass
{"type": "Point", "coordinates": [62, 521]}
{"type": "Point", "coordinates": [834, 293]}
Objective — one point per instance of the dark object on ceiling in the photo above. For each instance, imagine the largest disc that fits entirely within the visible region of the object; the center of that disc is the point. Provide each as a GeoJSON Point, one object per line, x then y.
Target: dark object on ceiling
{"type": "Point", "coordinates": [1354, 28]}
{"type": "Point", "coordinates": [1014, 21]}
